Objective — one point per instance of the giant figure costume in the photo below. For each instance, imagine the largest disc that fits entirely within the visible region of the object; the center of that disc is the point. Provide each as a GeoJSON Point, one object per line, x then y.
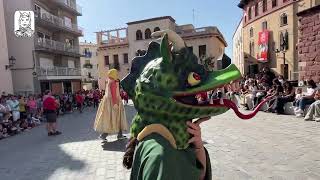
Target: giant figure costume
{"type": "Point", "coordinates": [111, 117]}
{"type": "Point", "coordinates": [163, 85]}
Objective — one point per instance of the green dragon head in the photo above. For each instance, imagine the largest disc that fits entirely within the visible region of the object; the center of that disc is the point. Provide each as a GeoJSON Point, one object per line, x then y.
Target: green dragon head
{"type": "Point", "coordinates": [163, 84]}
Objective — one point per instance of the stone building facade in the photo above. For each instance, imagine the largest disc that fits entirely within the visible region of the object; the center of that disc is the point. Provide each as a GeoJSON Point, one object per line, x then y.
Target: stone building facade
{"type": "Point", "coordinates": [50, 59]}
{"type": "Point", "coordinates": [5, 73]}
{"type": "Point", "coordinates": [237, 48]}
{"type": "Point", "coordinates": [89, 65]}
{"type": "Point", "coordinates": [117, 47]}
{"type": "Point", "coordinates": [309, 44]}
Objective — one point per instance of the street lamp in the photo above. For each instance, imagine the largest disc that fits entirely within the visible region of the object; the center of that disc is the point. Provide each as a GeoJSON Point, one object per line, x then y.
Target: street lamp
{"type": "Point", "coordinates": [12, 61]}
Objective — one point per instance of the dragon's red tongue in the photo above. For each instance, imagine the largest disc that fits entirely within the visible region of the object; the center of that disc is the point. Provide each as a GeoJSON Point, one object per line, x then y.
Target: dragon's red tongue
{"type": "Point", "coordinates": [234, 107]}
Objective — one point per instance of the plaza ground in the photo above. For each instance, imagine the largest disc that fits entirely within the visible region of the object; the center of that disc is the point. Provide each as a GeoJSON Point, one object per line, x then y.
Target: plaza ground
{"type": "Point", "coordinates": [266, 147]}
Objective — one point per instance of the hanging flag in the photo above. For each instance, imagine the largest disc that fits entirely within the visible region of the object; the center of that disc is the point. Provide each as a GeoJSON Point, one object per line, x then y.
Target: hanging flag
{"type": "Point", "coordinates": [263, 46]}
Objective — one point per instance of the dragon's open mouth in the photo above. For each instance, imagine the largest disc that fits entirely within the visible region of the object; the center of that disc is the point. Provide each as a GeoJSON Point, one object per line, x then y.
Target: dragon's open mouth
{"type": "Point", "coordinates": [191, 100]}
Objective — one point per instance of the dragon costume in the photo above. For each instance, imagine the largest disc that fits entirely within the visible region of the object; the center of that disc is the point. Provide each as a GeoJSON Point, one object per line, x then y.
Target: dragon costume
{"type": "Point", "coordinates": [163, 84]}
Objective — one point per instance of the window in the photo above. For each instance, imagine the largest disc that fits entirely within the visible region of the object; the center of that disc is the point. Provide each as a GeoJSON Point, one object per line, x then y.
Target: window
{"type": "Point", "coordinates": [147, 34]}
{"type": "Point", "coordinates": [284, 40]}
{"type": "Point", "coordinates": [138, 35]}
{"type": "Point", "coordinates": [251, 48]}
{"type": "Point", "coordinates": [106, 61]}
{"type": "Point", "coordinates": [116, 62]}
{"type": "Point", "coordinates": [264, 5]}
{"type": "Point", "coordinates": [249, 13]}
{"type": "Point", "coordinates": [283, 19]}
{"type": "Point", "coordinates": [190, 49]}
{"type": "Point", "coordinates": [251, 32]}
{"type": "Point", "coordinates": [156, 29]}
{"type": "Point", "coordinates": [274, 3]}
{"type": "Point", "coordinates": [264, 25]}
{"type": "Point", "coordinates": [202, 51]}
{"type": "Point", "coordinates": [256, 9]}
{"type": "Point", "coordinates": [125, 58]}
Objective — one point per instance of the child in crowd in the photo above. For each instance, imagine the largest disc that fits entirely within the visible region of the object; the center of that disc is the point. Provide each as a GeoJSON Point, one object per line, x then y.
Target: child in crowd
{"type": "Point", "coordinates": [297, 97]}
{"type": "Point", "coordinates": [32, 109]}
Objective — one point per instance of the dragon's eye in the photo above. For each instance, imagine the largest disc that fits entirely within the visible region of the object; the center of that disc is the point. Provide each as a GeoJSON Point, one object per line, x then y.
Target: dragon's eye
{"type": "Point", "coordinates": [194, 79]}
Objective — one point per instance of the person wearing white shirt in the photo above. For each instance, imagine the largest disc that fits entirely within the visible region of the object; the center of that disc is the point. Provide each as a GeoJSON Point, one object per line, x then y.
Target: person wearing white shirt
{"type": "Point", "coordinates": [307, 99]}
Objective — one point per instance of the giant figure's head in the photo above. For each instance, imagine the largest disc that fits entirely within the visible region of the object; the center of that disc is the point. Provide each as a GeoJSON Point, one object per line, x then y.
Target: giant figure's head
{"type": "Point", "coordinates": [163, 85]}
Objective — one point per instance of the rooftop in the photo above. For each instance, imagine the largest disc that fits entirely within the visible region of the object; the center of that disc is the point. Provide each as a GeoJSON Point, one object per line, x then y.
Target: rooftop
{"type": "Point", "coordinates": [152, 19]}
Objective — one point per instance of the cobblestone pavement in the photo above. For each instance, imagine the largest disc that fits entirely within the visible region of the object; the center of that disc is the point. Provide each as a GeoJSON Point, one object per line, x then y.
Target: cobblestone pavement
{"type": "Point", "coordinates": [266, 147]}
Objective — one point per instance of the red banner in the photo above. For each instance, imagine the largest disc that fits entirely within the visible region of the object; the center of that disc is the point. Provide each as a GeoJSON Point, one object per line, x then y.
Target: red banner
{"type": "Point", "coordinates": [263, 46]}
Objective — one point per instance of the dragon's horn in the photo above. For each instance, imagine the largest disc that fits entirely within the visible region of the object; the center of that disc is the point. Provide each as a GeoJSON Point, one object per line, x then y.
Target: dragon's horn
{"type": "Point", "coordinates": [165, 49]}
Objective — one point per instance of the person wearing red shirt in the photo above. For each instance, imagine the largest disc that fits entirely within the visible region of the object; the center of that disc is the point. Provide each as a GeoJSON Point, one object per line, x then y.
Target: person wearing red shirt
{"type": "Point", "coordinates": [79, 101]}
{"type": "Point", "coordinates": [96, 97]}
{"type": "Point", "coordinates": [50, 107]}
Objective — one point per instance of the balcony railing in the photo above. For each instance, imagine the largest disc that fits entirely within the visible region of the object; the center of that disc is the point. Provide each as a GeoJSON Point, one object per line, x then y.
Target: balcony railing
{"type": "Point", "coordinates": [55, 46]}
{"type": "Point", "coordinates": [57, 21]}
{"type": "Point", "coordinates": [71, 4]}
{"type": "Point", "coordinates": [58, 71]}
{"type": "Point", "coordinates": [115, 41]}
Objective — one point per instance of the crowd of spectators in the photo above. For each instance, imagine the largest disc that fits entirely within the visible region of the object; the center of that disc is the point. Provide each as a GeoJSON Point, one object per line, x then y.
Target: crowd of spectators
{"type": "Point", "coordinates": [252, 90]}
{"type": "Point", "coordinates": [280, 91]}
{"type": "Point", "coordinates": [20, 113]}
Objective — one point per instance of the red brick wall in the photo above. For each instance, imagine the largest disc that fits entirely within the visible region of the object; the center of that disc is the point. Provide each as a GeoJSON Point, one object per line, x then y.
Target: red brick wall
{"type": "Point", "coordinates": [309, 45]}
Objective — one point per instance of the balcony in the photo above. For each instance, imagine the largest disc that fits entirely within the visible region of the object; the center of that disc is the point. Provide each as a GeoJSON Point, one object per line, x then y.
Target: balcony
{"type": "Point", "coordinates": [69, 5]}
{"type": "Point", "coordinates": [115, 41]}
{"type": "Point", "coordinates": [51, 73]}
{"type": "Point", "coordinates": [49, 20]}
{"type": "Point", "coordinates": [48, 45]}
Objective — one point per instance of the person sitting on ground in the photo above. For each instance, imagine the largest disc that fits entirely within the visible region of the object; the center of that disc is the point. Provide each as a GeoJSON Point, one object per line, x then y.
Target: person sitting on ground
{"type": "Point", "coordinates": [307, 99]}
{"type": "Point", "coordinates": [298, 96]}
{"type": "Point", "coordinates": [3, 132]}
{"type": "Point", "coordinates": [314, 109]}
{"type": "Point", "coordinates": [249, 98]}
{"type": "Point", "coordinates": [261, 93]}
{"type": "Point", "coordinates": [281, 79]}
{"type": "Point", "coordinates": [280, 101]}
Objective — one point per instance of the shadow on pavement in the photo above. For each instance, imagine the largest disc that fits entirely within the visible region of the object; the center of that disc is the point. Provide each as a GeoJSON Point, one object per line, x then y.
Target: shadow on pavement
{"type": "Point", "coordinates": [118, 145]}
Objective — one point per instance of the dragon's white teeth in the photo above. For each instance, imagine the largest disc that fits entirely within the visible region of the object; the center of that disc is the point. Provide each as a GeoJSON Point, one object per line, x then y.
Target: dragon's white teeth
{"type": "Point", "coordinates": [221, 101]}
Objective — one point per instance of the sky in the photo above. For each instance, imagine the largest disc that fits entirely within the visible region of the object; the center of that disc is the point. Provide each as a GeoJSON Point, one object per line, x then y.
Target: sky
{"type": "Point", "coordinates": [100, 15]}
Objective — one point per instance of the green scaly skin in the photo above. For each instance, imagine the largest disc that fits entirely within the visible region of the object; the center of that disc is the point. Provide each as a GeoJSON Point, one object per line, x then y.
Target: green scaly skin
{"type": "Point", "coordinates": [156, 78]}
